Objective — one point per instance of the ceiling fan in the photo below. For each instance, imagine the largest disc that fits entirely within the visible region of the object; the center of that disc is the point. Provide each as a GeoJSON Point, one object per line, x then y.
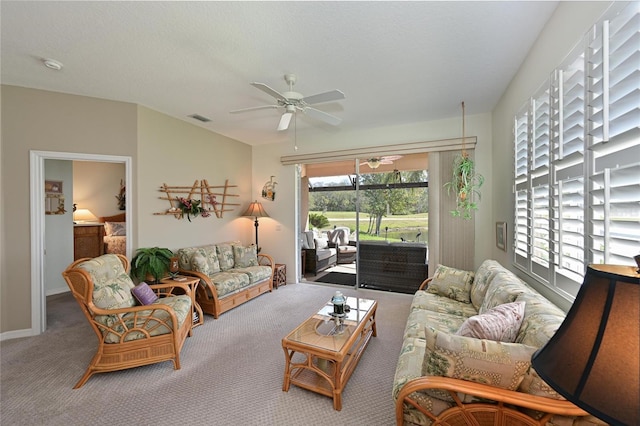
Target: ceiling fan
{"type": "Point", "coordinates": [293, 102]}
{"type": "Point", "coordinates": [375, 162]}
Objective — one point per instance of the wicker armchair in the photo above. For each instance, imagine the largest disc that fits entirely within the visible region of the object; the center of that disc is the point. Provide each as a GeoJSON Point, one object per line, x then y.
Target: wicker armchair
{"type": "Point", "coordinates": [128, 335]}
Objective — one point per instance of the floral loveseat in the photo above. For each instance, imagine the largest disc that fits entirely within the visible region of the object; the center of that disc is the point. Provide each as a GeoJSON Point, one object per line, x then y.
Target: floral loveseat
{"type": "Point", "coordinates": [466, 353]}
{"type": "Point", "coordinates": [229, 273]}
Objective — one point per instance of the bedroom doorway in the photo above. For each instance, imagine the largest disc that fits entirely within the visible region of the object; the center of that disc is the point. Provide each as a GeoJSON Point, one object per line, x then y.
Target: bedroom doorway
{"type": "Point", "coordinates": [38, 226]}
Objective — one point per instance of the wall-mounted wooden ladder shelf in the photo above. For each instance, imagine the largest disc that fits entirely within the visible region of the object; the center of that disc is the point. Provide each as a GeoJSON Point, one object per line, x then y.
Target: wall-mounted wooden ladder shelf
{"type": "Point", "coordinates": [210, 197]}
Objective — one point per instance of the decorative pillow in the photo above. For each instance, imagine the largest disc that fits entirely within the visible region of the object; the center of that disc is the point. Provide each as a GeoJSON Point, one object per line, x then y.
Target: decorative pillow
{"type": "Point", "coordinates": [501, 323]}
{"type": "Point", "coordinates": [452, 283]}
{"type": "Point", "coordinates": [115, 229]}
{"type": "Point", "coordinates": [321, 243]}
{"type": "Point", "coordinates": [245, 257]}
{"type": "Point", "coordinates": [497, 364]}
{"type": "Point", "coordinates": [144, 294]}
{"type": "Point", "coordinates": [205, 260]}
{"type": "Point", "coordinates": [225, 256]}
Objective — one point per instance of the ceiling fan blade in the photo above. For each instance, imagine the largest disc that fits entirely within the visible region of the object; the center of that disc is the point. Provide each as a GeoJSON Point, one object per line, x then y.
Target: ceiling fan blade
{"type": "Point", "coordinates": [268, 90]}
{"type": "Point", "coordinates": [333, 95]}
{"type": "Point", "coordinates": [235, 111]}
{"type": "Point", "coordinates": [322, 116]}
{"type": "Point", "coordinates": [284, 121]}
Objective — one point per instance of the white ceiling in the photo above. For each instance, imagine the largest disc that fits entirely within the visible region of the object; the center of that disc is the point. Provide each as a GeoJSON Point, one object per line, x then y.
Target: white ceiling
{"type": "Point", "coordinates": [396, 62]}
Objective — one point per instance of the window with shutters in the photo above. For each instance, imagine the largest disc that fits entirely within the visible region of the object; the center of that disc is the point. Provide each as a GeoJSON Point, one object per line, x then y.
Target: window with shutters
{"type": "Point", "coordinates": [577, 158]}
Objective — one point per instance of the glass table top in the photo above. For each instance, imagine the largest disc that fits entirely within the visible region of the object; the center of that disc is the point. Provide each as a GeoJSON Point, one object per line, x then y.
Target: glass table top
{"type": "Point", "coordinates": [324, 331]}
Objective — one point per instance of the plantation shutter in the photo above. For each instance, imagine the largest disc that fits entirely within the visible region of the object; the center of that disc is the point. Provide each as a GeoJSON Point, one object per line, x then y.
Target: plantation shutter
{"type": "Point", "coordinates": [614, 138]}
{"type": "Point", "coordinates": [521, 224]}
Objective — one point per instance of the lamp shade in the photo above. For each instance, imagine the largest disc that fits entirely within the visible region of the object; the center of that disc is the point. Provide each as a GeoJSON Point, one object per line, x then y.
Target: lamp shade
{"type": "Point", "coordinates": [255, 209]}
{"type": "Point", "coordinates": [84, 215]}
{"type": "Point", "coordinates": [593, 358]}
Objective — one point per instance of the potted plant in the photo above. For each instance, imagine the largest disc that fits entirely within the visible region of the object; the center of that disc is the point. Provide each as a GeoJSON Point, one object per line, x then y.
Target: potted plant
{"type": "Point", "coordinates": [466, 183]}
{"type": "Point", "coordinates": [151, 263]}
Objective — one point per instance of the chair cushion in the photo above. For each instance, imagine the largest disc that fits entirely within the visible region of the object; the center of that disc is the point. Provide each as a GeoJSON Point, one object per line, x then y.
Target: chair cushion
{"type": "Point", "coordinates": [111, 284]}
{"type": "Point", "coordinates": [180, 304]}
{"type": "Point", "coordinates": [501, 323]}
{"type": "Point", "coordinates": [321, 243]}
{"type": "Point", "coordinates": [452, 283]}
{"type": "Point", "coordinates": [482, 279]}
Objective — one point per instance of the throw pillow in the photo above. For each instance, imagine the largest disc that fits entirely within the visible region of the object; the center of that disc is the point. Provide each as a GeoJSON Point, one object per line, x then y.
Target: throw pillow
{"type": "Point", "coordinates": [144, 294]}
{"type": "Point", "coordinates": [452, 283]}
{"type": "Point", "coordinates": [321, 243]}
{"type": "Point", "coordinates": [497, 364]}
{"type": "Point", "coordinates": [225, 256]}
{"type": "Point", "coordinates": [205, 260]}
{"type": "Point", "coordinates": [501, 323]}
{"type": "Point", "coordinates": [245, 257]}
{"type": "Point", "coordinates": [115, 229]}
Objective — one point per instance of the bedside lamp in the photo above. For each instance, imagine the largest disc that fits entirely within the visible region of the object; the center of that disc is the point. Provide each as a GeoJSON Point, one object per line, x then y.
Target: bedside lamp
{"type": "Point", "coordinates": [256, 210]}
{"type": "Point", "coordinates": [593, 360]}
{"type": "Point", "coordinates": [83, 216]}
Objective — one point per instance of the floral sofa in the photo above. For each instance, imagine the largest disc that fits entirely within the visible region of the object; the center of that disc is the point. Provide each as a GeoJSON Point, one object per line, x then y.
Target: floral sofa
{"type": "Point", "coordinates": [466, 353]}
{"type": "Point", "coordinates": [230, 274]}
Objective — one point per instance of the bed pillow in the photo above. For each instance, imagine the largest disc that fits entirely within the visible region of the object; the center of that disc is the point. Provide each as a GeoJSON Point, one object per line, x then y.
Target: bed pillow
{"type": "Point", "coordinates": [501, 323]}
{"type": "Point", "coordinates": [115, 229]}
{"type": "Point", "coordinates": [452, 283]}
{"type": "Point", "coordinates": [144, 294]}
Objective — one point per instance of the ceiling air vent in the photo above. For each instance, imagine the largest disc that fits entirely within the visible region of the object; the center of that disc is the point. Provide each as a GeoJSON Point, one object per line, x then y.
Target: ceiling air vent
{"type": "Point", "coordinates": [200, 118]}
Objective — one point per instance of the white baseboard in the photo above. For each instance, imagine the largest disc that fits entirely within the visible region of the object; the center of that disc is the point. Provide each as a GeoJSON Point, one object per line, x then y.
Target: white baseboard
{"type": "Point", "coordinates": [59, 290]}
{"type": "Point", "coordinates": [16, 334]}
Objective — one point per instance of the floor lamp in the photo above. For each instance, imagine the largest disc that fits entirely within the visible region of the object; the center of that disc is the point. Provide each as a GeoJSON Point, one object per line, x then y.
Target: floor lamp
{"type": "Point", "coordinates": [256, 210]}
{"type": "Point", "coordinates": [593, 358]}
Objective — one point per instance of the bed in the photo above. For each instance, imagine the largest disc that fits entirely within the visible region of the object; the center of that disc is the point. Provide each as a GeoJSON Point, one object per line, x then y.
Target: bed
{"type": "Point", "coordinates": [115, 239]}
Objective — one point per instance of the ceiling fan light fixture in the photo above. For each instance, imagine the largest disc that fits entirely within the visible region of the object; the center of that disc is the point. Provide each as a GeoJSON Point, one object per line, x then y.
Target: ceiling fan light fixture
{"type": "Point", "coordinates": [374, 163]}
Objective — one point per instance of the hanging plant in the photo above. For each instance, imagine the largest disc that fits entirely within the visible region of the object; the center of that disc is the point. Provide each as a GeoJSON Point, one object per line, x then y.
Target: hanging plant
{"type": "Point", "coordinates": [465, 182]}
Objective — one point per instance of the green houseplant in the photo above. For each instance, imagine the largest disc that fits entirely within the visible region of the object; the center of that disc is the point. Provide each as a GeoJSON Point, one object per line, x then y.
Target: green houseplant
{"type": "Point", "coordinates": [151, 263]}
{"type": "Point", "coordinates": [466, 183]}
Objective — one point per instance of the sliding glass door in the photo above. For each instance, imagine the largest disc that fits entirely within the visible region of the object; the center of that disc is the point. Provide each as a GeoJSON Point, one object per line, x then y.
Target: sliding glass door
{"type": "Point", "coordinates": [366, 222]}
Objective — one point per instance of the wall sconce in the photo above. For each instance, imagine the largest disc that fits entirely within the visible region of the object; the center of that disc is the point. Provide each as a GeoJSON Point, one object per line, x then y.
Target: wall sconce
{"type": "Point", "coordinates": [593, 358]}
{"type": "Point", "coordinates": [84, 216]}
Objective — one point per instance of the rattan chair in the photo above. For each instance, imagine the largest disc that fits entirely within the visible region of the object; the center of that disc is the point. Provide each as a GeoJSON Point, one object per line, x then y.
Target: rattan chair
{"type": "Point", "coordinates": [128, 335]}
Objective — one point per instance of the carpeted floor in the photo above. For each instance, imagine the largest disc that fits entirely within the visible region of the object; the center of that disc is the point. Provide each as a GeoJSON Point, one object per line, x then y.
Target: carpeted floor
{"type": "Point", "coordinates": [340, 278]}
{"type": "Point", "coordinates": [232, 370]}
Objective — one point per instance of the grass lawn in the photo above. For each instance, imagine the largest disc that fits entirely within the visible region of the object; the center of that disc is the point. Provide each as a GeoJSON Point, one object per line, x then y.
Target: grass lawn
{"type": "Point", "coordinates": [399, 226]}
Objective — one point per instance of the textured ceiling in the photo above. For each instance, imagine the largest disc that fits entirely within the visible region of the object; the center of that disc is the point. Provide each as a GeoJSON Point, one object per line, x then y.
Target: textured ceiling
{"type": "Point", "coordinates": [396, 62]}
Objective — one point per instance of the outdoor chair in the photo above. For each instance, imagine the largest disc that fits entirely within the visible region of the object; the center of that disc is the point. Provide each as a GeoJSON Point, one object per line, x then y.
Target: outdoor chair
{"type": "Point", "coordinates": [128, 335]}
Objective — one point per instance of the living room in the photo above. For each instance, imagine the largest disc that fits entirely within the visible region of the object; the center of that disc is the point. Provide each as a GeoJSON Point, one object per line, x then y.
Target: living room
{"type": "Point", "coordinates": [162, 149]}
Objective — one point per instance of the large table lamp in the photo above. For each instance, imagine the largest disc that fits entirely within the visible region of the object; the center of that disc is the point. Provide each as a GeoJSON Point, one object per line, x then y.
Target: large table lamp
{"type": "Point", "coordinates": [256, 210]}
{"type": "Point", "coordinates": [593, 358]}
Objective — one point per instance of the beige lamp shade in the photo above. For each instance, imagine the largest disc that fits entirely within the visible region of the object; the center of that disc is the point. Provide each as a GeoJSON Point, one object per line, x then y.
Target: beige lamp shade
{"type": "Point", "coordinates": [255, 210]}
{"type": "Point", "coordinates": [84, 215]}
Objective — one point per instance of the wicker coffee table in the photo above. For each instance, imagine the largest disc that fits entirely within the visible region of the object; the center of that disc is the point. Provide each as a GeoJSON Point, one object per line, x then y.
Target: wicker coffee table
{"type": "Point", "coordinates": [320, 357]}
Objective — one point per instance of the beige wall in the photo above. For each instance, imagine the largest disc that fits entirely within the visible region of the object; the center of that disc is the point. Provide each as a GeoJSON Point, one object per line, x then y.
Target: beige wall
{"type": "Point", "coordinates": [46, 121]}
{"type": "Point", "coordinates": [176, 153]}
{"type": "Point", "coordinates": [163, 149]}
